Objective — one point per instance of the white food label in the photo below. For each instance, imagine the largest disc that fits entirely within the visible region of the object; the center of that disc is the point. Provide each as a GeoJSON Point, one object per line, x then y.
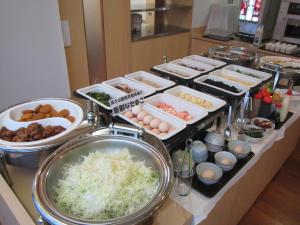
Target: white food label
{"type": "Point", "coordinates": [125, 103]}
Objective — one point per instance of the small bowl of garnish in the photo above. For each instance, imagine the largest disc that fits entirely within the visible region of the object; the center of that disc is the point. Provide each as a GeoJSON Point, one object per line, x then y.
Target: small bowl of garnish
{"type": "Point", "coordinates": [263, 123]}
{"type": "Point", "coordinates": [239, 148]}
{"type": "Point", "coordinates": [208, 173]}
{"type": "Point", "coordinates": [252, 134]}
{"type": "Point", "coordinates": [225, 160]}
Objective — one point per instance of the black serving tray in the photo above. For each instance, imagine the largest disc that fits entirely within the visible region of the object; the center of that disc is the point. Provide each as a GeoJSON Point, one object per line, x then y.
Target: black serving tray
{"type": "Point", "coordinates": [211, 190]}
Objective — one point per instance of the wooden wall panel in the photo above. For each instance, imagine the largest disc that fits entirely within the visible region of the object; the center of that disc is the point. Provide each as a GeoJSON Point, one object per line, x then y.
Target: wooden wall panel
{"type": "Point", "coordinates": [76, 55]}
{"type": "Point", "coordinates": [176, 46]}
{"type": "Point", "coordinates": [117, 36]}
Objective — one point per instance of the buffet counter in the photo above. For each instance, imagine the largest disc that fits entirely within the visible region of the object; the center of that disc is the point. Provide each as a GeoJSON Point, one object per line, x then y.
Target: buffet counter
{"type": "Point", "coordinates": [234, 200]}
{"type": "Point", "coordinates": [227, 207]}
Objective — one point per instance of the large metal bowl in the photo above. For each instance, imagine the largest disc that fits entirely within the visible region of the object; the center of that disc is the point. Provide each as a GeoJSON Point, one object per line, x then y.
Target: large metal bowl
{"type": "Point", "coordinates": [148, 149]}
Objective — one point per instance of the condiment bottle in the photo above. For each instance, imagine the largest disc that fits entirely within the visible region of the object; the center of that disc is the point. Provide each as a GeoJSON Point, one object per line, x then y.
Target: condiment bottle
{"type": "Point", "coordinates": [265, 109]}
{"type": "Point", "coordinates": [256, 105]}
{"type": "Point", "coordinates": [285, 105]}
{"type": "Point", "coordinates": [258, 35]}
{"type": "Point", "coordinates": [278, 106]}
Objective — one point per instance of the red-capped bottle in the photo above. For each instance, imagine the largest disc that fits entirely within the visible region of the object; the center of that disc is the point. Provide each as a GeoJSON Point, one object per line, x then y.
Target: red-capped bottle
{"type": "Point", "coordinates": [266, 105]}
{"type": "Point", "coordinates": [256, 104]}
{"type": "Point", "coordinates": [285, 105]}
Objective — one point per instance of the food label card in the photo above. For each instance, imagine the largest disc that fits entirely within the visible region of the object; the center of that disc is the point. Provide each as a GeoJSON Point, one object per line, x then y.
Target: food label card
{"type": "Point", "coordinates": [125, 103]}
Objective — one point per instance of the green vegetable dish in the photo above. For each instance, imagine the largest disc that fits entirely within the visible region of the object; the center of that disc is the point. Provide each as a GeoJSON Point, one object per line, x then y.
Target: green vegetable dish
{"type": "Point", "coordinates": [105, 185]}
{"type": "Point", "coordinates": [254, 133]}
{"type": "Point", "coordinates": [100, 97]}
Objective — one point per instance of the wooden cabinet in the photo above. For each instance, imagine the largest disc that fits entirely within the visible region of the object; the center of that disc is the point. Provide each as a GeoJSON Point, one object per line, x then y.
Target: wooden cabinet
{"type": "Point", "coordinates": [148, 53]}
{"type": "Point", "coordinates": [145, 54]}
{"type": "Point", "coordinates": [199, 46]}
{"type": "Point", "coordinates": [176, 46]}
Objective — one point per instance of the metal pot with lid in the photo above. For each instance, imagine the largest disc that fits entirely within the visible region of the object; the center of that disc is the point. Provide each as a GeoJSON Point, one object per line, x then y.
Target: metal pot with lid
{"type": "Point", "coordinates": [233, 55]}
{"type": "Point", "coordinates": [142, 146]}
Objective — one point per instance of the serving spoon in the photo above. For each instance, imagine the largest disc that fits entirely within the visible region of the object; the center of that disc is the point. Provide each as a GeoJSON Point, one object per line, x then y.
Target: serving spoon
{"type": "Point", "coordinates": [227, 131]}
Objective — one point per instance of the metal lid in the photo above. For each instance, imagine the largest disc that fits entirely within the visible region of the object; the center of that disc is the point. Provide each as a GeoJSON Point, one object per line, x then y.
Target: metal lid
{"type": "Point", "coordinates": [280, 64]}
{"type": "Point", "coordinates": [232, 53]}
{"type": "Point", "coordinates": [142, 145]}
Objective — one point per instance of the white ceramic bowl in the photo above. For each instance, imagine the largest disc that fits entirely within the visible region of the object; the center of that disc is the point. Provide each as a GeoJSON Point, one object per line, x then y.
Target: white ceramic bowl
{"type": "Point", "coordinates": [215, 139]}
{"type": "Point", "coordinates": [205, 166]}
{"type": "Point", "coordinates": [220, 156]}
{"type": "Point", "coordinates": [239, 148]}
{"type": "Point", "coordinates": [199, 151]}
{"type": "Point", "coordinates": [252, 140]}
{"type": "Point", "coordinates": [214, 142]}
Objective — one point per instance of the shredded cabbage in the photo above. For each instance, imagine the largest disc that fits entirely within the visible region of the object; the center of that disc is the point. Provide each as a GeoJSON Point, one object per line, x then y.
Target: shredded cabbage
{"type": "Point", "coordinates": [105, 186]}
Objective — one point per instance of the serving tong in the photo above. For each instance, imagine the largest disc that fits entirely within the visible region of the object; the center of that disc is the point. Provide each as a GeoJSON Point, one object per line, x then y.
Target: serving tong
{"type": "Point", "coordinates": [227, 131]}
{"type": "Point", "coordinates": [242, 120]}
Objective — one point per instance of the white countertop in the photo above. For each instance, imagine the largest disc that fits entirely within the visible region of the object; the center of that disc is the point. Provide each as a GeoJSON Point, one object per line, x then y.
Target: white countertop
{"type": "Point", "coordinates": [200, 206]}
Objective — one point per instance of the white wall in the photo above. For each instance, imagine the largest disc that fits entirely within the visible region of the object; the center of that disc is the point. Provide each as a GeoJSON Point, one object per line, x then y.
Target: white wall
{"type": "Point", "coordinates": [32, 58]}
{"type": "Point", "coordinates": [201, 10]}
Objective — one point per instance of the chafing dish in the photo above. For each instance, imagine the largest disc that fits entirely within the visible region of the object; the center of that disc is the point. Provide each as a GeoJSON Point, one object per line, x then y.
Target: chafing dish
{"type": "Point", "coordinates": [233, 55]}
{"type": "Point", "coordinates": [142, 145]}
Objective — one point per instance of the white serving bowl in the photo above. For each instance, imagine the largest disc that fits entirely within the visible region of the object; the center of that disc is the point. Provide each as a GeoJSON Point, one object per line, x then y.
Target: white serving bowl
{"type": "Point", "coordinates": [263, 119]}
{"type": "Point", "coordinates": [199, 151]}
{"type": "Point", "coordinates": [205, 166]}
{"type": "Point", "coordinates": [214, 142]}
{"type": "Point", "coordinates": [220, 156]}
{"type": "Point", "coordinates": [239, 148]}
{"type": "Point", "coordinates": [249, 139]}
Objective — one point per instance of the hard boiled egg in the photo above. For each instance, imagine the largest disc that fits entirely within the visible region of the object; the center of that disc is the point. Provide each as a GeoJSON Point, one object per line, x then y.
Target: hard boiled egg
{"type": "Point", "coordinates": [141, 115]}
{"type": "Point", "coordinates": [208, 174]}
{"type": "Point", "coordinates": [136, 109]}
{"type": "Point", "coordinates": [164, 127]}
{"type": "Point", "coordinates": [147, 119]}
{"type": "Point", "coordinates": [154, 123]}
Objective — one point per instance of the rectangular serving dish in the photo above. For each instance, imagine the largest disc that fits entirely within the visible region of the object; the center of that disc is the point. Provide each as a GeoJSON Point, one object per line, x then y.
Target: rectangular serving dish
{"type": "Point", "coordinates": [259, 74]}
{"type": "Point", "coordinates": [178, 104]}
{"type": "Point", "coordinates": [163, 83]}
{"type": "Point", "coordinates": [201, 59]}
{"type": "Point", "coordinates": [226, 74]}
{"type": "Point", "coordinates": [163, 116]}
{"type": "Point", "coordinates": [100, 88]}
{"type": "Point", "coordinates": [200, 80]}
{"type": "Point", "coordinates": [132, 84]}
{"type": "Point", "coordinates": [177, 71]}
{"type": "Point", "coordinates": [198, 66]}
{"type": "Point", "coordinates": [217, 103]}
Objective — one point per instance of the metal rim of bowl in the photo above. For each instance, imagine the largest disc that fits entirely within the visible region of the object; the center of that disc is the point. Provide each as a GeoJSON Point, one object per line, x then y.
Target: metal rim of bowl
{"type": "Point", "coordinates": [49, 212]}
